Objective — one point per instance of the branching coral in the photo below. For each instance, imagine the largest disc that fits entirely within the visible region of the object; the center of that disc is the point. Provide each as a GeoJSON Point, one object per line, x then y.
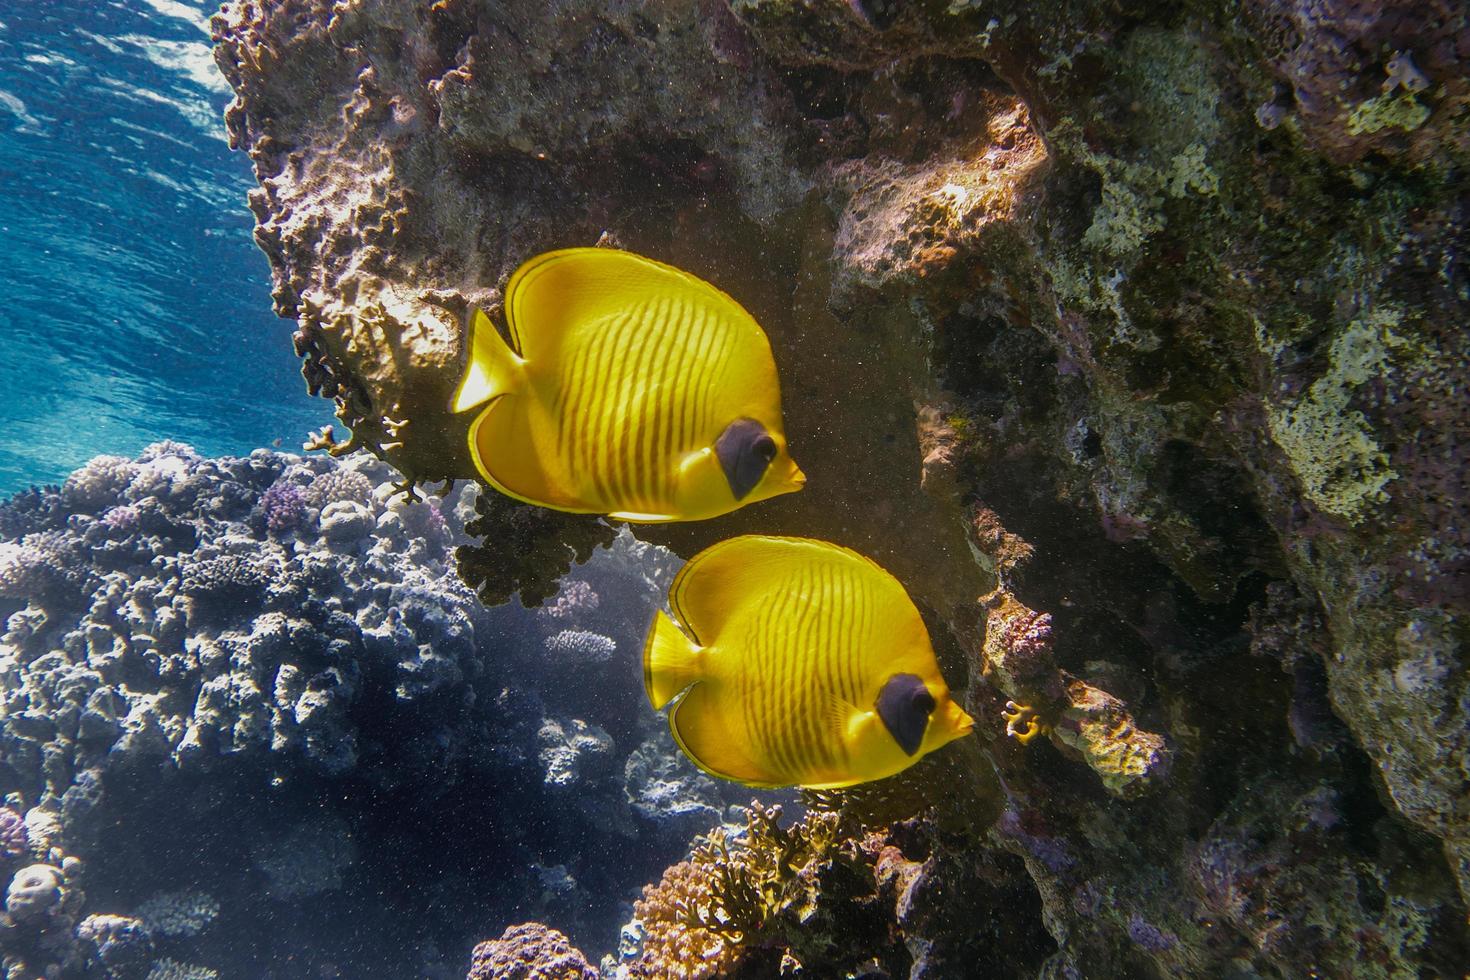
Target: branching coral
{"type": "Point", "coordinates": [339, 485]}
{"type": "Point", "coordinates": [172, 969]}
{"type": "Point", "coordinates": [670, 947]}
{"type": "Point", "coordinates": [181, 913]}
{"type": "Point", "coordinates": [97, 483]}
{"type": "Point", "coordinates": [284, 507]}
{"type": "Point", "coordinates": [577, 598]}
{"type": "Point", "coordinates": [769, 891]}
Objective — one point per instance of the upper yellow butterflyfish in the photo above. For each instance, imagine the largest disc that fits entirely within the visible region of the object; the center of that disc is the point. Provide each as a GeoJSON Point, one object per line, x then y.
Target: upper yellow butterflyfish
{"type": "Point", "coordinates": [630, 388]}
{"type": "Point", "coordinates": [799, 663]}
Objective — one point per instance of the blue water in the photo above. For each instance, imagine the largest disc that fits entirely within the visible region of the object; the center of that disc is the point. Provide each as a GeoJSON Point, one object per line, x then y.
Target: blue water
{"type": "Point", "coordinates": [135, 304]}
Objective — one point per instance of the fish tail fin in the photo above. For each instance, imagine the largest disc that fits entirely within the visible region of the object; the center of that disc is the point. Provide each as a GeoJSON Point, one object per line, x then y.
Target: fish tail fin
{"type": "Point", "coordinates": [494, 368]}
{"type": "Point", "coordinates": [671, 661]}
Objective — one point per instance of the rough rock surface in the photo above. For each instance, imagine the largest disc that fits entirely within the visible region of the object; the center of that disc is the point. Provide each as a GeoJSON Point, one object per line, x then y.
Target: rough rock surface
{"type": "Point", "coordinates": [1177, 292]}
{"type": "Point", "coordinates": [235, 686]}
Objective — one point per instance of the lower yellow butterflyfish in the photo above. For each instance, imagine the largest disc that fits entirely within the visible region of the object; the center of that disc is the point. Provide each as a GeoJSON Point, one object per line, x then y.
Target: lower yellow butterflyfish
{"type": "Point", "coordinates": [799, 662]}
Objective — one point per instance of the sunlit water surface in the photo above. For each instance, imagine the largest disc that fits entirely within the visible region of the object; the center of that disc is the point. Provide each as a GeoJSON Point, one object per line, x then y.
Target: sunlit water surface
{"type": "Point", "coordinates": [135, 305]}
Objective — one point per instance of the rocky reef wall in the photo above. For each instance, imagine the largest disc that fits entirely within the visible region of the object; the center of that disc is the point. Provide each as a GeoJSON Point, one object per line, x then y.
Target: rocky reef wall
{"type": "Point", "coordinates": [1144, 322]}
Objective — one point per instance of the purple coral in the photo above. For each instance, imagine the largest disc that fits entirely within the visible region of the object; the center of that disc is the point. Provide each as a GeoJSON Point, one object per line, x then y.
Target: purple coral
{"type": "Point", "coordinates": [284, 507]}
{"type": "Point", "coordinates": [527, 951]}
{"type": "Point", "coordinates": [123, 518]}
{"type": "Point", "coordinates": [1026, 829]}
{"type": "Point", "coordinates": [576, 597]}
{"type": "Point", "coordinates": [15, 841]}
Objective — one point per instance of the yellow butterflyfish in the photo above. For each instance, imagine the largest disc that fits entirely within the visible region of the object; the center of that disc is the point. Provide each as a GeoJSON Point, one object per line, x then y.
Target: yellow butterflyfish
{"type": "Point", "coordinates": [630, 388]}
{"type": "Point", "coordinates": [799, 663]}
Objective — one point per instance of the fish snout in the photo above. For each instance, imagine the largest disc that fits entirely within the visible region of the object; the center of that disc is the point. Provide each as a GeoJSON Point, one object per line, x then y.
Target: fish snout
{"type": "Point", "coordinates": [797, 479]}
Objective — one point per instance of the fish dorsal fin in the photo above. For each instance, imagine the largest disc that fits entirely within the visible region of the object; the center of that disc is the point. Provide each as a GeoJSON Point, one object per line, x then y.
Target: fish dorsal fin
{"type": "Point", "coordinates": [701, 728]}
{"type": "Point", "coordinates": [725, 577]}
{"type": "Point", "coordinates": [493, 369]}
{"type": "Point", "coordinates": [556, 291]}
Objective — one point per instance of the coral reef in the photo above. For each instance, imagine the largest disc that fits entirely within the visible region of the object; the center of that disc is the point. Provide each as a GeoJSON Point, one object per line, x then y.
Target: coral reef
{"type": "Point", "coordinates": [15, 840]}
{"type": "Point", "coordinates": [172, 969]}
{"type": "Point", "coordinates": [1176, 291]}
{"type": "Point", "coordinates": [276, 689]}
{"type": "Point", "coordinates": [117, 945]}
{"type": "Point", "coordinates": [824, 897]}
{"type": "Point", "coordinates": [249, 655]}
{"type": "Point", "coordinates": [184, 913]}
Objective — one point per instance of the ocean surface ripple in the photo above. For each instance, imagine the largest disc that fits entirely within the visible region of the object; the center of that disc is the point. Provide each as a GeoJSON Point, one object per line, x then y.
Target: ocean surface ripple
{"type": "Point", "coordinates": [136, 304]}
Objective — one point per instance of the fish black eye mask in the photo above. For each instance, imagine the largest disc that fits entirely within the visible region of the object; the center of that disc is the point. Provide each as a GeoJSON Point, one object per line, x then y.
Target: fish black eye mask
{"type": "Point", "coordinates": [905, 704]}
{"type": "Point", "coordinates": [745, 450]}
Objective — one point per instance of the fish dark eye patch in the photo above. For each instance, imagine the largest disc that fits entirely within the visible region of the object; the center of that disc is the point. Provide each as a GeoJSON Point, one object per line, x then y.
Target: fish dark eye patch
{"type": "Point", "coordinates": [905, 704]}
{"type": "Point", "coordinates": [745, 449]}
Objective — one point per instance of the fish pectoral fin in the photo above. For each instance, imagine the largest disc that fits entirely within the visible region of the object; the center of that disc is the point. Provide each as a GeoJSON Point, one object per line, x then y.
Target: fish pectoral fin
{"type": "Point", "coordinates": [701, 729]}
{"type": "Point", "coordinates": [844, 720]}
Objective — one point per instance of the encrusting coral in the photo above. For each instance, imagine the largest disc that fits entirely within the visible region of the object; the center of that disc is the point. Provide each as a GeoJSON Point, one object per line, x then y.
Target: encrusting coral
{"type": "Point", "coordinates": [1017, 657]}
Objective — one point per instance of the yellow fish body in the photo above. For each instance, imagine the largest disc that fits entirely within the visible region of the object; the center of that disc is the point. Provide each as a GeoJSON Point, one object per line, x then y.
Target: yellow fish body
{"type": "Point", "coordinates": [634, 390]}
{"type": "Point", "coordinates": [805, 664]}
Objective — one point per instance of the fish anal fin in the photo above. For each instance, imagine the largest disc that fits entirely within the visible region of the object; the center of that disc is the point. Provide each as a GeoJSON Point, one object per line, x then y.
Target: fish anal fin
{"type": "Point", "coordinates": [702, 730]}
{"type": "Point", "coordinates": [506, 457]}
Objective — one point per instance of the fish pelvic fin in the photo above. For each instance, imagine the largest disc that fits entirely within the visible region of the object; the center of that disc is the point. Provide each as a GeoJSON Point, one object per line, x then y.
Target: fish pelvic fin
{"type": "Point", "coordinates": [671, 661]}
{"type": "Point", "coordinates": [494, 369]}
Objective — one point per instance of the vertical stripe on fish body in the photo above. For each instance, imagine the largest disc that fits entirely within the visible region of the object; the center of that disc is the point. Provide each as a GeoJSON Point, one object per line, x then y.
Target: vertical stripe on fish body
{"type": "Point", "coordinates": [630, 388]}
{"type": "Point", "coordinates": [799, 663]}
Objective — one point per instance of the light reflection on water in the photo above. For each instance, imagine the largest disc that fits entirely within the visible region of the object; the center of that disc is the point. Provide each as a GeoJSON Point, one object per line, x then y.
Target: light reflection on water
{"type": "Point", "coordinates": [135, 305]}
